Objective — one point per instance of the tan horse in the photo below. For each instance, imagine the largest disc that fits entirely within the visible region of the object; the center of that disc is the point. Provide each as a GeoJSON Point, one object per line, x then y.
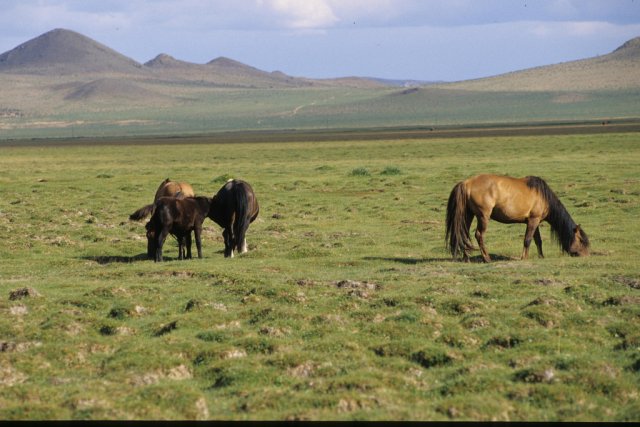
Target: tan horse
{"type": "Point", "coordinates": [167, 188]}
{"type": "Point", "coordinates": [527, 200]}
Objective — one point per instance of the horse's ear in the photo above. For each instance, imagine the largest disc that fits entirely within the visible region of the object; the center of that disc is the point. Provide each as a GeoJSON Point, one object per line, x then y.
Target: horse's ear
{"type": "Point", "coordinates": [576, 229]}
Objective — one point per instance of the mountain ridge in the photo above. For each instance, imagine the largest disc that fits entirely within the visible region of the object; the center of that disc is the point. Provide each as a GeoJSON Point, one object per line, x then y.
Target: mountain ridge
{"type": "Point", "coordinates": [62, 52]}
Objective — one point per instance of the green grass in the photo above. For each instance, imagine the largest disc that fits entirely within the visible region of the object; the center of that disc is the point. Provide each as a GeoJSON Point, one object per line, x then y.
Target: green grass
{"type": "Point", "coordinates": [347, 306]}
{"type": "Point", "coordinates": [197, 110]}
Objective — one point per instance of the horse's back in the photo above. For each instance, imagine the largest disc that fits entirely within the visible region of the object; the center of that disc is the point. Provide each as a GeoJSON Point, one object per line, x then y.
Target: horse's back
{"type": "Point", "coordinates": [186, 190]}
{"type": "Point", "coordinates": [503, 198]}
{"type": "Point", "coordinates": [170, 188]}
{"type": "Point", "coordinates": [180, 214]}
{"type": "Point", "coordinates": [234, 197]}
{"type": "Point", "coordinates": [237, 187]}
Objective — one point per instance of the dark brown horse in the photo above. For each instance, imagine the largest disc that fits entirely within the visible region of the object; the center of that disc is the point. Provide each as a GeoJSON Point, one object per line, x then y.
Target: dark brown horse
{"type": "Point", "coordinates": [509, 200]}
{"type": "Point", "coordinates": [178, 217]}
{"type": "Point", "coordinates": [167, 188]}
{"type": "Point", "coordinates": [234, 207]}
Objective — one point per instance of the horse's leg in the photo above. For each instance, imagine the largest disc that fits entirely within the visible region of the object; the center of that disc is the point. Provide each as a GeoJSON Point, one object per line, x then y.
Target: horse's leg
{"type": "Point", "coordinates": [228, 243]}
{"type": "Point", "coordinates": [240, 245]}
{"type": "Point", "coordinates": [198, 232]}
{"type": "Point", "coordinates": [538, 240]}
{"type": "Point", "coordinates": [468, 220]}
{"type": "Point", "coordinates": [180, 248]}
{"type": "Point", "coordinates": [185, 248]}
{"type": "Point", "coordinates": [241, 239]}
{"type": "Point", "coordinates": [188, 244]}
{"type": "Point", "coordinates": [161, 238]}
{"type": "Point", "coordinates": [483, 222]}
{"type": "Point", "coordinates": [532, 226]}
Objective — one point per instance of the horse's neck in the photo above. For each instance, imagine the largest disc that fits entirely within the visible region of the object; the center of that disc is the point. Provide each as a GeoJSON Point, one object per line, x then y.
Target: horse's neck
{"type": "Point", "coordinates": [215, 212]}
{"type": "Point", "coordinates": [204, 203]}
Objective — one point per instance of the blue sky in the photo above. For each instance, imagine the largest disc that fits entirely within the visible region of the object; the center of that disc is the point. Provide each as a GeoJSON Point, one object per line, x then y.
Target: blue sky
{"type": "Point", "coordinates": [406, 39]}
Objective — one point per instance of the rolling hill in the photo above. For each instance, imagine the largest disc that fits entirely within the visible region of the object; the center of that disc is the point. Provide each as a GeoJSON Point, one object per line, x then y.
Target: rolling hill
{"type": "Point", "coordinates": [617, 70]}
{"type": "Point", "coordinates": [63, 80]}
{"type": "Point", "coordinates": [220, 71]}
{"type": "Point", "coordinates": [65, 52]}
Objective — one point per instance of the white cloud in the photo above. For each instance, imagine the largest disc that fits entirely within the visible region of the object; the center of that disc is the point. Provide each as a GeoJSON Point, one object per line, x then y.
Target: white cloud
{"type": "Point", "coordinates": [302, 14]}
{"type": "Point", "coordinates": [571, 29]}
{"type": "Point", "coordinates": [587, 28]}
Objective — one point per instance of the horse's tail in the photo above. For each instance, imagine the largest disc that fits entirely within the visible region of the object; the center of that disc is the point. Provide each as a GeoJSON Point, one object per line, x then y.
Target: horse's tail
{"type": "Point", "coordinates": [241, 224]}
{"type": "Point", "coordinates": [143, 212]}
{"type": "Point", "coordinates": [457, 235]}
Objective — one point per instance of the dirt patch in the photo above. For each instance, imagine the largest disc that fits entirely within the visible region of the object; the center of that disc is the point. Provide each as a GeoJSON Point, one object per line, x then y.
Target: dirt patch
{"type": "Point", "coordinates": [535, 376]}
{"type": "Point", "coordinates": [353, 284]}
{"type": "Point", "coordinates": [275, 332]}
{"type": "Point", "coordinates": [19, 310]}
{"type": "Point", "coordinates": [623, 300]}
{"type": "Point", "coordinates": [234, 354]}
{"type": "Point", "coordinates": [505, 341]}
{"type": "Point", "coordinates": [543, 300]}
{"type": "Point", "coordinates": [21, 293]}
{"type": "Point", "coordinates": [306, 282]}
{"type": "Point", "coordinates": [9, 346]}
{"type": "Point", "coordinates": [178, 373]}
{"type": "Point", "coordinates": [165, 329]}
{"type": "Point", "coordinates": [10, 376]}
{"type": "Point", "coordinates": [632, 282]}
{"type": "Point", "coordinates": [303, 370]}
{"type": "Point", "coordinates": [546, 282]}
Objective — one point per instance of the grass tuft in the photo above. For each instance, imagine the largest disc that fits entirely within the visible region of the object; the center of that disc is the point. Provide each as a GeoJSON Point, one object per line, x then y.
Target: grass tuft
{"type": "Point", "coordinates": [360, 171]}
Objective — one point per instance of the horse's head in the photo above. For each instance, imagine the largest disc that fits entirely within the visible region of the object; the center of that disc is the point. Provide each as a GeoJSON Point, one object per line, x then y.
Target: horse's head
{"type": "Point", "coordinates": [580, 244]}
{"type": "Point", "coordinates": [152, 241]}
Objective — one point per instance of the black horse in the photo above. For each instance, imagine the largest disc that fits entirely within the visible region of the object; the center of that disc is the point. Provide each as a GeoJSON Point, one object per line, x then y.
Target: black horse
{"type": "Point", "coordinates": [178, 217]}
{"type": "Point", "coordinates": [233, 208]}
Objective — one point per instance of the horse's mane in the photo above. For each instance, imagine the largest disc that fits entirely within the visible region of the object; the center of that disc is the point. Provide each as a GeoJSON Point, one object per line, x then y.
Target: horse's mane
{"type": "Point", "coordinates": [562, 225]}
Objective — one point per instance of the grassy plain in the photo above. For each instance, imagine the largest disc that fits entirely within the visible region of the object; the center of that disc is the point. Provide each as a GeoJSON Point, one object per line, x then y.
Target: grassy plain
{"type": "Point", "coordinates": [194, 109]}
{"type": "Point", "coordinates": [347, 306]}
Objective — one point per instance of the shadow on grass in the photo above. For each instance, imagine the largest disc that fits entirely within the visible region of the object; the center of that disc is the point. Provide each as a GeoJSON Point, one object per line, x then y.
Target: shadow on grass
{"type": "Point", "coordinates": [110, 259]}
{"type": "Point", "coordinates": [494, 257]}
{"type": "Point", "coordinates": [409, 261]}
{"type": "Point", "coordinates": [413, 261]}
{"type": "Point", "coordinates": [116, 259]}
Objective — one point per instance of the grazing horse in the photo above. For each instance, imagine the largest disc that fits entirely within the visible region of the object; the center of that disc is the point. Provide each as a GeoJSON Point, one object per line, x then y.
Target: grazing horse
{"type": "Point", "coordinates": [178, 217]}
{"type": "Point", "coordinates": [234, 207]}
{"type": "Point", "coordinates": [167, 188]}
{"type": "Point", "coordinates": [527, 200]}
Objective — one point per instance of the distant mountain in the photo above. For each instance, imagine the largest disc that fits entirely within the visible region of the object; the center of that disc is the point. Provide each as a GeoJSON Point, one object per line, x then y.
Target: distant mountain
{"type": "Point", "coordinates": [221, 72]}
{"type": "Point", "coordinates": [164, 61]}
{"type": "Point", "coordinates": [616, 70]}
{"type": "Point", "coordinates": [66, 52]}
